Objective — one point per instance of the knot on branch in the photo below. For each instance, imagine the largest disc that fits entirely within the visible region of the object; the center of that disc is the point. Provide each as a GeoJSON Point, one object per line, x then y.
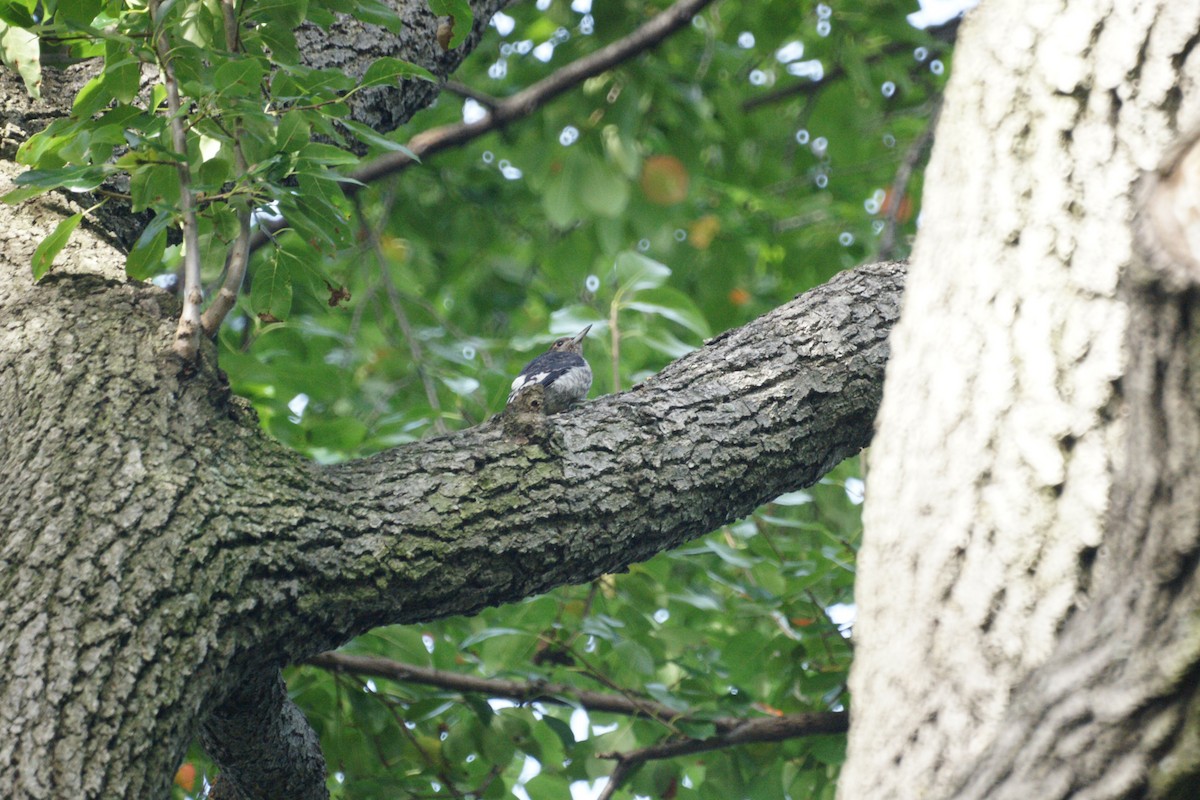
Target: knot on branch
{"type": "Point", "coordinates": [1168, 220]}
{"type": "Point", "coordinates": [524, 419]}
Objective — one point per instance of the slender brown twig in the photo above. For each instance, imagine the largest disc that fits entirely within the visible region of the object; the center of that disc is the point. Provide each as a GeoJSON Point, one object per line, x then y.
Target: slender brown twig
{"type": "Point", "coordinates": [406, 329]}
{"type": "Point", "coordinates": [462, 90]}
{"type": "Point", "coordinates": [516, 106]}
{"type": "Point", "coordinates": [239, 252]}
{"type": "Point", "coordinates": [807, 87]}
{"type": "Point", "coordinates": [916, 152]}
{"type": "Point", "coordinates": [751, 731]}
{"type": "Point", "coordinates": [187, 334]}
{"type": "Point", "coordinates": [556, 693]}
{"type": "Point", "coordinates": [730, 731]}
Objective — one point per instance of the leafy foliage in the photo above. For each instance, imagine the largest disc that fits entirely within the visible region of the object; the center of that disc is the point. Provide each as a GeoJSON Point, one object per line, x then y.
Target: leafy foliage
{"type": "Point", "coordinates": [684, 192]}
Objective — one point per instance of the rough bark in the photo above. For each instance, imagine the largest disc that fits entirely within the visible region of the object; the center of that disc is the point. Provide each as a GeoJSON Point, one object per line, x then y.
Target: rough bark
{"type": "Point", "coordinates": [1026, 588]}
{"type": "Point", "coordinates": [162, 557]}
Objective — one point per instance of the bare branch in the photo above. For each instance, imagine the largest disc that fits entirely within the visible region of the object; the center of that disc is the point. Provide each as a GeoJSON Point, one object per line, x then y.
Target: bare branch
{"type": "Point", "coordinates": [751, 731]}
{"type": "Point", "coordinates": [810, 87]}
{"type": "Point", "coordinates": [731, 731]}
{"type": "Point", "coordinates": [462, 90]}
{"type": "Point", "coordinates": [520, 691]}
{"type": "Point", "coordinates": [519, 105]}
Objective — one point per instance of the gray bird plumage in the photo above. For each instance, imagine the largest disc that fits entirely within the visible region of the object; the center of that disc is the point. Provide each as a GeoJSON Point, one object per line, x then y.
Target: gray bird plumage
{"type": "Point", "coordinates": [562, 371]}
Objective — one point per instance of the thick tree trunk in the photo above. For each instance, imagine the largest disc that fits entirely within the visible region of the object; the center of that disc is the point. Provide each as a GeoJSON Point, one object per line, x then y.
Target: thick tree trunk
{"type": "Point", "coordinates": [1027, 587]}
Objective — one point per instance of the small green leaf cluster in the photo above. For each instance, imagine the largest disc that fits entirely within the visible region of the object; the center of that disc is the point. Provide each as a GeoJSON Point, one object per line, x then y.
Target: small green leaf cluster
{"type": "Point", "coordinates": [264, 131]}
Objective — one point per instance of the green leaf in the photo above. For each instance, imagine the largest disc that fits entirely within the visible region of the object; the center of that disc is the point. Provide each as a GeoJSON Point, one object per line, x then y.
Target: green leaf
{"type": "Point", "coordinates": [21, 195]}
{"type": "Point", "coordinates": [378, 13]}
{"type": "Point", "coordinates": [338, 434]}
{"type": "Point", "coordinates": [18, 13]}
{"type": "Point", "coordinates": [154, 185]}
{"type": "Point", "coordinates": [391, 70]}
{"type": "Point", "coordinates": [79, 179]}
{"type": "Point", "coordinates": [145, 259]}
{"type": "Point", "coordinates": [20, 51]}
{"type": "Point", "coordinates": [79, 11]}
{"type": "Point", "coordinates": [368, 135]}
{"type": "Point", "coordinates": [635, 272]}
{"type": "Point", "coordinates": [490, 633]}
{"type": "Point", "coordinates": [559, 198]}
{"type": "Point", "coordinates": [292, 133]}
{"type": "Point", "coordinates": [122, 72]}
{"type": "Point", "coordinates": [285, 14]}
{"type": "Point", "coordinates": [240, 77]}
{"type": "Point", "coordinates": [602, 190]}
{"type": "Point", "coordinates": [671, 304]}
{"type": "Point", "coordinates": [91, 98]}
{"type": "Point", "coordinates": [280, 41]}
{"type": "Point", "coordinates": [828, 749]}
{"type": "Point", "coordinates": [50, 247]}
{"type": "Point", "coordinates": [321, 198]}
{"type": "Point", "coordinates": [327, 154]}
{"type": "Point", "coordinates": [213, 174]}
{"type": "Point", "coordinates": [634, 656]}
{"type": "Point", "coordinates": [271, 291]}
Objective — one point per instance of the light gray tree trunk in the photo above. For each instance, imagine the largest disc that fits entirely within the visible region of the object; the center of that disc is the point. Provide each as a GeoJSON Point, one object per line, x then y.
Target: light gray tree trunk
{"type": "Point", "coordinates": [1027, 588]}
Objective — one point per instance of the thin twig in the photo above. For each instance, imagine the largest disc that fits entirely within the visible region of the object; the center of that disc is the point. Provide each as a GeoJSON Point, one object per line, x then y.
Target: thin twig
{"type": "Point", "coordinates": [751, 731]}
{"type": "Point", "coordinates": [239, 252]}
{"type": "Point", "coordinates": [187, 334]}
{"type": "Point", "coordinates": [730, 731]}
{"type": "Point", "coordinates": [614, 331]}
{"type": "Point", "coordinates": [807, 86]}
{"type": "Point", "coordinates": [414, 347]}
{"type": "Point", "coordinates": [519, 105]}
{"type": "Point", "coordinates": [462, 90]}
{"type": "Point", "coordinates": [520, 691]}
{"type": "Point", "coordinates": [916, 151]}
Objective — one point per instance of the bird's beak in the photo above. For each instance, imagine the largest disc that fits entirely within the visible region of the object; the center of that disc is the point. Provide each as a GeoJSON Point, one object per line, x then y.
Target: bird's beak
{"type": "Point", "coordinates": [579, 336]}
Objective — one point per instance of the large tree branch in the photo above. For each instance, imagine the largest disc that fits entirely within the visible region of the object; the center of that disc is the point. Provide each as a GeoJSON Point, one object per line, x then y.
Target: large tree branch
{"type": "Point", "coordinates": [213, 554]}
{"type": "Point", "coordinates": [265, 746]}
{"type": "Point", "coordinates": [756, 412]}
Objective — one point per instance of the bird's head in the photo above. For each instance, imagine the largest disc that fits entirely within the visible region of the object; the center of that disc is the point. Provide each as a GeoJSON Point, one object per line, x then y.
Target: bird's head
{"type": "Point", "coordinates": [571, 344]}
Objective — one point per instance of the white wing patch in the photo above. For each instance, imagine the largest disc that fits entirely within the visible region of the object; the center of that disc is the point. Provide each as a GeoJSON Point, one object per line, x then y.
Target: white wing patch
{"type": "Point", "coordinates": [522, 380]}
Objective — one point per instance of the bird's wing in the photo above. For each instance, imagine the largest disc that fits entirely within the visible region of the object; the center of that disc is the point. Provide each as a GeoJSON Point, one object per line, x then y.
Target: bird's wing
{"type": "Point", "coordinates": [546, 369]}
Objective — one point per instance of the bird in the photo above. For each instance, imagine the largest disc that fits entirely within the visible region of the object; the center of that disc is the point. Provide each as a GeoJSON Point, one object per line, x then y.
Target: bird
{"type": "Point", "coordinates": [563, 372]}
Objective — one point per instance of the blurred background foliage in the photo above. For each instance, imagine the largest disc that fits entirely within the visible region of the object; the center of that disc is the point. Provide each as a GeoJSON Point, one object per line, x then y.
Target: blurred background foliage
{"type": "Point", "coordinates": [740, 162]}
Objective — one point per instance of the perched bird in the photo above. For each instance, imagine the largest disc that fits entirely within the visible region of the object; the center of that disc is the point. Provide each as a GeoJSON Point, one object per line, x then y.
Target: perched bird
{"type": "Point", "coordinates": [562, 371]}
